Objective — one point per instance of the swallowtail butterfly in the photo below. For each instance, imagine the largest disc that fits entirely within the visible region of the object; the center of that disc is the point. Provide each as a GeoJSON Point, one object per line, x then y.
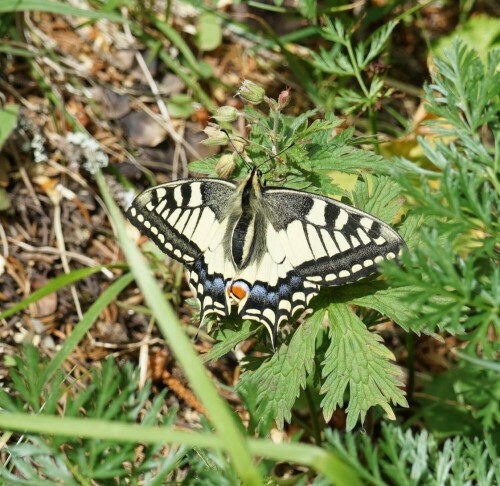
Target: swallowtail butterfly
{"type": "Point", "coordinates": [267, 250]}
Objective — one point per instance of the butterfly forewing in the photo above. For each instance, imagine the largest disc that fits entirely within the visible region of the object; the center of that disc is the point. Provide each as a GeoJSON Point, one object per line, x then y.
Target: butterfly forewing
{"type": "Point", "coordinates": [183, 217]}
{"type": "Point", "coordinates": [326, 241]}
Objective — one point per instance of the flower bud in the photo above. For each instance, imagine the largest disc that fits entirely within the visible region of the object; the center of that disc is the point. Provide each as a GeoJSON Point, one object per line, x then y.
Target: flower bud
{"type": "Point", "coordinates": [215, 136]}
{"type": "Point", "coordinates": [226, 114]}
{"type": "Point", "coordinates": [284, 98]}
{"type": "Point", "coordinates": [251, 92]}
{"type": "Point", "coordinates": [226, 165]}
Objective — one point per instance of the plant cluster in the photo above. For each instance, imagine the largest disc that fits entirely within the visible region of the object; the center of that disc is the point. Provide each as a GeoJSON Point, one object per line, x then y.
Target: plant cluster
{"type": "Point", "coordinates": [444, 203]}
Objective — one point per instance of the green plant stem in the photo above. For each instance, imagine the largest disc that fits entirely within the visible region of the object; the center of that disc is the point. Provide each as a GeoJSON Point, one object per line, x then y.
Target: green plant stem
{"type": "Point", "coordinates": [180, 345]}
{"type": "Point", "coordinates": [355, 68]}
{"type": "Point", "coordinates": [188, 80]}
{"type": "Point", "coordinates": [314, 415]}
{"type": "Point", "coordinates": [173, 36]}
{"type": "Point", "coordinates": [108, 296]}
{"type": "Point", "coordinates": [410, 349]}
{"type": "Point", "coordinates": [276, 120]}
{"type": "Point", "coordinates": [323, 461]}
{"type": "Point", "coordinates": [373, 128]}
{"type": "Point", "coordinates": [53, 285]}
{"type": "Point", "coordinates": [371, 114]}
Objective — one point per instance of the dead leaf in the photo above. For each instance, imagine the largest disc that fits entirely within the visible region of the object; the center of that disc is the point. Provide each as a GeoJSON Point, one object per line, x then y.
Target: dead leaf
{"type": "Point", "coordinates": [141, 129]}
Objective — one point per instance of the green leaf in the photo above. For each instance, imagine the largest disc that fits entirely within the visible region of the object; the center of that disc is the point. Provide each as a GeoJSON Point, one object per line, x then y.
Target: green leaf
{"type": "Point", "coordinates": [316, 126]}
{"type": "Point", "coordinates": [410, 229]}
{"type": "Point", "coordinates": [377, 43]}
{"type": "Point", "coordinates": [380, 200]}
{"type": "Point", "coordinates": [60, 8]}
{"type": "Point", "coordinates": [180, 106]}
{"type": "Point", "coordinates": [345, 159]}
{"type": "Point", "coordinates": [195, 67]}
{"type": "Point", "coordinates": [5, 202]}
{"type": "Point", "coordinates": [209, 32]}
{"type": "Point", "coordinates": [8, 121]}
{"type": "Point", "coordinates": [229, 338]}
{"type": "Point", "coordinates": [464, 90]}
{"type": "Point", "coordinates": [392, 302]}
{"type": "Point", "coordinates": [479, 32]}
{"type": "Point", "coordinates": [91, 315]}
{"type": "Point", "coordinates": [335, 31]}
{"type": "Point", "coordinates": [356, 360]}
{"type": "Point", "coordinates": [280, 379]}
{"type": "Point", "coordinates": [332, 62]}
{"type": "Point", "coordinates": [465, 399]}
{"type": "Point", "coordinates": [405, 457]}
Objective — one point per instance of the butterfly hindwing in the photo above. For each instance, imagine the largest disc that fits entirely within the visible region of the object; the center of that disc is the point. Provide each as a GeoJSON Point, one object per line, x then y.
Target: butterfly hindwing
{"type": "Point", "coordinates": [274, 292]}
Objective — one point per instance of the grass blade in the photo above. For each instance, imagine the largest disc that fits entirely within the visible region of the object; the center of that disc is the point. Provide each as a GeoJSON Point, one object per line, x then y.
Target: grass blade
{"type": "Point", "coordinates": [181, 347]}
{"type": "Point", "coordinates": [86, 323]}
{"type": "Point", "coordinates": [54, 285]}
{"type": "Point", "coordinates": [319, 459]}
{"type": "Point", "coordinates": [56, 8]}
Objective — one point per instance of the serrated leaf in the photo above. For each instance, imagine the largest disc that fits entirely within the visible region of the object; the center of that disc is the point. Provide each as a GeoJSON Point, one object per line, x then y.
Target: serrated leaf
{"type": "Point", "coordinates": [229, 338]}
{"type": "Point", "coordinates": [295, 123]}
{"type": "Point", "coordinates": [346, 159]}
{"type": "Point", "coordinates": [204, 166]}
{"type": "Point", "coordinates": [380, 200]}
{"type": "Point", "coordinates": [315, 127]}
{"type": "Point", "coordinates": [357, 360]}
{"type": "Point", "coordinates": [410, 229]}
{"type": "Point", "coordinates": [280, 379]}
{"type": "Point", "coordinates": [392, 302]}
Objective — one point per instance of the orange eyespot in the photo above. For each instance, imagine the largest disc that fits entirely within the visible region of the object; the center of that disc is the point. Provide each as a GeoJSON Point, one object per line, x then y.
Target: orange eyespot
{"type": "Point", "coordinates": [238, 291]}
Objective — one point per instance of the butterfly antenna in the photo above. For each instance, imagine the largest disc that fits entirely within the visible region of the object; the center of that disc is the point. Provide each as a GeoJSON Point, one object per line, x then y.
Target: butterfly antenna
{"type": "Point", "coordinates": [274, 156]}
{"type": "Point", "coordinates": [248, 164]}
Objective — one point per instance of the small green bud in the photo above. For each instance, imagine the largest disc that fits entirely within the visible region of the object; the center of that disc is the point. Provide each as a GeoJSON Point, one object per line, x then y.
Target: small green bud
{"type": "Point", "coordinates": [251, 92]}
{"type": "Point", "coordinates": [215, 136]}
{"type": "Point", "coordinates": [226, 114]}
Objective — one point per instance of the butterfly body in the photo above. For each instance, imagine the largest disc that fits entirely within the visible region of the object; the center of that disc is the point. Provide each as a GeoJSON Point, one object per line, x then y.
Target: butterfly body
{"type": "Point", "coordinates": [266, 250]}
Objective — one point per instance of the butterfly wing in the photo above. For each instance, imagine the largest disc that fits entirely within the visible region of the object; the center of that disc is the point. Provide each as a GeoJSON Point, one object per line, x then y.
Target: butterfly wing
{"type": "Point", "coordinates": [311, 241]}
{"type": "Point", "coordinates": [326, 241]}
{"type": "Point", "coordinates": [187, 219]}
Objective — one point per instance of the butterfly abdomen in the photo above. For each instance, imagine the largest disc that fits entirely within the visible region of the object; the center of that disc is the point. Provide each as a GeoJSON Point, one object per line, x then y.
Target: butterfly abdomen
{"type": "Point", "coordinates": [242, 239]}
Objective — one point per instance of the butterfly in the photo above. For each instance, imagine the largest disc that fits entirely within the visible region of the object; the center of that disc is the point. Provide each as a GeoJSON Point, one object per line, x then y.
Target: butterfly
{"type": "Point", "coordinates": [266, 250]}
